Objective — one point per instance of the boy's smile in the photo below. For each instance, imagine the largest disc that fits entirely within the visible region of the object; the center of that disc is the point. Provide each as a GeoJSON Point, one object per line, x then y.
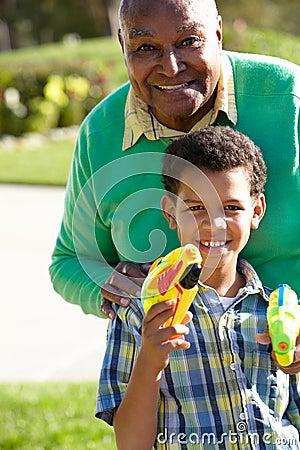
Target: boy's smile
{"type": "Point", "coordinates": [219, 239]}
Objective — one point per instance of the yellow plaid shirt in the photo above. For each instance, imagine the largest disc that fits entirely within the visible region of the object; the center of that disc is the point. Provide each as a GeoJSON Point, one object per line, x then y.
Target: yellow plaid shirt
{"type": "Point", "coordinates": [139, 120]}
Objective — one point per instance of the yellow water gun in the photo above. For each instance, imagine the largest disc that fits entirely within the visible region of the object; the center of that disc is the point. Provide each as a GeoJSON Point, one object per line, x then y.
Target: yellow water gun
{"type": "Point", "coordinates": [283, 315]}
{"type": "Point", "coordinates": [173, 277]}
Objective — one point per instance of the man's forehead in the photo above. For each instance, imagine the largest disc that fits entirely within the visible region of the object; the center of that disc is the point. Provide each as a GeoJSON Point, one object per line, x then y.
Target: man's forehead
{"type": "Point", "coordinates": [137, 9]}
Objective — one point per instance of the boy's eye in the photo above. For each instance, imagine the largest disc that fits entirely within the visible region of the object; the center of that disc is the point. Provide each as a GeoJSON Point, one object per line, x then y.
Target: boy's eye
{"type": "Point", "coordinates": [232, 208]}
{"type": "Point", "coordinates": [196, 208]}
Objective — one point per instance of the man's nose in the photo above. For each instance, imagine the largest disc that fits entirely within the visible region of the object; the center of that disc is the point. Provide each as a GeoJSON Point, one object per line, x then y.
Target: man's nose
{"type": "Point", "coordinates": [171, 63]}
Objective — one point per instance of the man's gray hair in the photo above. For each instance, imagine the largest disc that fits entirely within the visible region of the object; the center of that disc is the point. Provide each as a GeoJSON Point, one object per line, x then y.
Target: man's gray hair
{"type": "Point", "coordinates": [124, 9]}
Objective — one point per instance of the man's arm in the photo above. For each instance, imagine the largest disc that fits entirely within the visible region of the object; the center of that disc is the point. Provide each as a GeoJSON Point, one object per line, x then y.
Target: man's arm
{"type": "Point", "coordinates": [85, 257]}
{"type": "Point", "coordinates": [78, 268]}
{"type": "Point", "coordinates": [135, 421]}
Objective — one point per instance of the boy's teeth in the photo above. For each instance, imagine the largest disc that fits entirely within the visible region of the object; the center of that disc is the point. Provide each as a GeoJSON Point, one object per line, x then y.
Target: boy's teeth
{"type": "Point", "coordinates": [213, 244]}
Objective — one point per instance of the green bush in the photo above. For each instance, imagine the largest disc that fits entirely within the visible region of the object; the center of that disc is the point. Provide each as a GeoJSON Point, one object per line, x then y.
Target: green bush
{"type": "Point", "coordinates": [44, 98]}
{"type": "Point", "coordinates": [55, 88]}
{"type": "Point", "coordinates": [240, 37]}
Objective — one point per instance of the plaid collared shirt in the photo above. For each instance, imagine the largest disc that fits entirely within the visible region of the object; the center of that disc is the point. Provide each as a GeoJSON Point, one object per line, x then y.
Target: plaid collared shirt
{"type": "Point", "coordinates": [139, 119]}
{"type": "Point", "coordinates": [224, 392]}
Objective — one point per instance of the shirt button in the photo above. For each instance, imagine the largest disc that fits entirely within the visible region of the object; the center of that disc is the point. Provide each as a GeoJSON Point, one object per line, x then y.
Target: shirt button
{"type": "Point", "coordinates": [232, 366]}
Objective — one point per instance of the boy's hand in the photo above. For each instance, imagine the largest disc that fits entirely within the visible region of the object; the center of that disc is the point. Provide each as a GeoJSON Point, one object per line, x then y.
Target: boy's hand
{"type": "Point", "coordinates": [158, 341]}
{"type": "Point", "coordinates": [264, 338]}
{"type": "Point", "coordinates": [124, 282]}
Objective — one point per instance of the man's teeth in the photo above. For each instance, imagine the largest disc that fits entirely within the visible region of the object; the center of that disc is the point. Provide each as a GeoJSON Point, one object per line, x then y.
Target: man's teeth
{"type": "Point", "coordinates": [213, 243]}
{"type": "Point", "coordinates": [173, 88]}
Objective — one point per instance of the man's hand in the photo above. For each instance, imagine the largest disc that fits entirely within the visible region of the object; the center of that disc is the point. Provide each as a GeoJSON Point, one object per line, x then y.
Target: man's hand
{"type": "Point", "coordinates": [294, 368]}
{"type": "Point", "coordinates": [125, 282]}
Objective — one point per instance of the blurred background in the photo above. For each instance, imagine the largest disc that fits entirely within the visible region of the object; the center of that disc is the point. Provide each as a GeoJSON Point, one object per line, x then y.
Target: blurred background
{"type": "Point", "coordinates": [58, 59]}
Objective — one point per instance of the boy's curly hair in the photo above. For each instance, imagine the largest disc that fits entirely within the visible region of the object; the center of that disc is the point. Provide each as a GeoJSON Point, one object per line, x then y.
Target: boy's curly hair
{"type": "Point", "coordinates": [215, 148]}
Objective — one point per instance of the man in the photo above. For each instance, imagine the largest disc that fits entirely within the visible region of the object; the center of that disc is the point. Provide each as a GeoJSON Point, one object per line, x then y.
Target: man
{"type": "Point", "coordinates": [180, 80]}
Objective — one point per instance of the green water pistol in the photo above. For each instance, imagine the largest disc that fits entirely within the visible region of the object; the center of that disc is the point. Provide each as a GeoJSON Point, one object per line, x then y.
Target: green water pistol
{"type": "Point", "coordinates": [283, 315]}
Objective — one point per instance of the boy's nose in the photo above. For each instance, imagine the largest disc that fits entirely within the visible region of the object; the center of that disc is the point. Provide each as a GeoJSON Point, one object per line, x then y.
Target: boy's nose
{"type": "Point", "coordinates": [213, 223]}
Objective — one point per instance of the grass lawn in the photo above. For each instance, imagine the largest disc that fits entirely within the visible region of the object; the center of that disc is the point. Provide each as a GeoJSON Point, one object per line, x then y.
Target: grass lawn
{"type": "Point", "coordinates": [48, 164]}
{"type": "Point", "coordinates": [52, 416]}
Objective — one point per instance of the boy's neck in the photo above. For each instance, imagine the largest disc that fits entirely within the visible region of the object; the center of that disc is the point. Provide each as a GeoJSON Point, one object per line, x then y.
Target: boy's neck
{"type": "Point", "coordinates": [225, 283]}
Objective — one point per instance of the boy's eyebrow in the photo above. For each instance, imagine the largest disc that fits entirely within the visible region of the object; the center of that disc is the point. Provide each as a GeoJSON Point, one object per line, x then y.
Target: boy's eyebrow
{"type": "Point", "coordinates": [191, 200]}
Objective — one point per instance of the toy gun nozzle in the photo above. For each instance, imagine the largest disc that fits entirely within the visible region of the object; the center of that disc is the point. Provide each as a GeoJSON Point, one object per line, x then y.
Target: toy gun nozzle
{"type": "Point", "coordinates": [190, 279]}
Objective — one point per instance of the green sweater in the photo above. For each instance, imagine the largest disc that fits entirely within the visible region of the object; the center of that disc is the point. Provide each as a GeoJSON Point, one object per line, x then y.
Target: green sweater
{"type": "Point", "coordinates": [112, 206]}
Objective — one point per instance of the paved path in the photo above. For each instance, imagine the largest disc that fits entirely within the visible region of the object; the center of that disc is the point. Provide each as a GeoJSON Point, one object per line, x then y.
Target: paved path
{"type": "Point", "coordinates": [42, 337]}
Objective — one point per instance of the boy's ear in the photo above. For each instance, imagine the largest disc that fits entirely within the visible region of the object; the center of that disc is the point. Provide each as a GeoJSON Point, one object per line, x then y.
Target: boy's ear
{"type": "Point", "coordinates": [258, 211]}
{"type": "Point", "coordinates": [168, 210]}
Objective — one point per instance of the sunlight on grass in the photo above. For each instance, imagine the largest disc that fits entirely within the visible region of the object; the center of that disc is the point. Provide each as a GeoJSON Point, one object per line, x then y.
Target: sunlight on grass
{"type": "Point", "coordinates": [48, 164]}
{"type": "Point", "coordinates": [52, 416]}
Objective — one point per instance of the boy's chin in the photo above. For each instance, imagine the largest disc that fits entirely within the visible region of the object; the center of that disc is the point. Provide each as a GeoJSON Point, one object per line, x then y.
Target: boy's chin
{"type": "Point", "coordinates": [212, 260]}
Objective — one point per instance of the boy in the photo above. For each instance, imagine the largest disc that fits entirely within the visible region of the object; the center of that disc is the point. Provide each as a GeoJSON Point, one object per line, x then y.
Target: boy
{"type": "Point", "coordinates": [219, 388]}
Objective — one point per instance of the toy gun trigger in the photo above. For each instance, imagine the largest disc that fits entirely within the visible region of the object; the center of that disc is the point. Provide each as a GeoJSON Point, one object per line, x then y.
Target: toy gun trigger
{"type": "Point", "coordinates": [191, 276]}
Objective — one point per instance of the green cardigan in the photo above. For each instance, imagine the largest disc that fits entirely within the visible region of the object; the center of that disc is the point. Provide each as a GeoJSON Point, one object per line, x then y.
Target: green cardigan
{"type": "Point", "coordinates": [112, 206]}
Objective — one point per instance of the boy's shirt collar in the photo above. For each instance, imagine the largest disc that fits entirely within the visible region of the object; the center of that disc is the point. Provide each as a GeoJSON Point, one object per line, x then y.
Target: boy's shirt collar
{"type": "Point", "coordinates": [139, 120]}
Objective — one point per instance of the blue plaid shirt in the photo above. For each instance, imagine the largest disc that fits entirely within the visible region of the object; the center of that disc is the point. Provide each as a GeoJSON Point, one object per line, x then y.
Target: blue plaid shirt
{"type": "Point", "coordinates": [224, 392]}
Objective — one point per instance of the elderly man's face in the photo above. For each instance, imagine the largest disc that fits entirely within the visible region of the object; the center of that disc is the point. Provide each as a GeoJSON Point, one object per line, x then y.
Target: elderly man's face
{"type": "Point", "coordinates": [172, 52]}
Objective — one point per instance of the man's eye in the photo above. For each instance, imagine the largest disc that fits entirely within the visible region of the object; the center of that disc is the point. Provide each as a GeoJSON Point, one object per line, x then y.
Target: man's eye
{"type": "Point", "coordinates": [146, 48]}
{"type": "Point", "coordinates": [192, 41]}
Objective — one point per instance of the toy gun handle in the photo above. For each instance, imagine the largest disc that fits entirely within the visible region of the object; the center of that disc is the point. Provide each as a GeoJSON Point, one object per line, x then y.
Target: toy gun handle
{"type": "Point", "coordinates": [283, 315]}
{"type": "Point", "coordinates": [173, 277]}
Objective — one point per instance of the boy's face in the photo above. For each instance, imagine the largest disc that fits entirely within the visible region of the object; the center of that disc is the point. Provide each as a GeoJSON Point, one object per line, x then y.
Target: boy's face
{"type": "Point", "coordinates": [220, 237]}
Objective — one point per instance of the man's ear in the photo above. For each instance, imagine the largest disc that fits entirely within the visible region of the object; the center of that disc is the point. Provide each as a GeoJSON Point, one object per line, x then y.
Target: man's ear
{"type": "Point", "coordinates": [168, 209]}
{"type": "Point", "coordinates": [121, 39]}
{"type": "Point", "coordinates": [258, 211]}
{"type": "Point", "coordinates": [220, 31]}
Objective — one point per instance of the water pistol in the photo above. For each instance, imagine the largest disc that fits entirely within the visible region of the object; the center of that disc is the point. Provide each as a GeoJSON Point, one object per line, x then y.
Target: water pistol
{"type": "Point", "coordinates": [283, 315]}
{"type": "Point", "coordinates": [173, 277]}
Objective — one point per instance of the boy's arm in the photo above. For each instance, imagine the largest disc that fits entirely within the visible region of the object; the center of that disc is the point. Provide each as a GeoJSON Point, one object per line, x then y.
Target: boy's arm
{"type": "Point", "coordinates": [135, 421]}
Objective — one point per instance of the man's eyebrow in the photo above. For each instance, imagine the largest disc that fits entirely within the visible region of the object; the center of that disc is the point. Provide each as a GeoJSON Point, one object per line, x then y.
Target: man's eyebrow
{"type": "Point", "coordinates": [135, 32]}
{"type": "Point", "coordinates": [190, 26]}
